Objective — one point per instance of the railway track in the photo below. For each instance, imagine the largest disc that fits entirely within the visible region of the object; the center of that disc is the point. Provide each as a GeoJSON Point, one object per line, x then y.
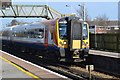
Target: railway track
{"type": "Point", "coordinates": [72, 71]}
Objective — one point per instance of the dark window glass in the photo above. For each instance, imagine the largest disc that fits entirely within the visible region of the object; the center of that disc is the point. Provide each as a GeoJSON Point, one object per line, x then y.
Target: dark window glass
{"type": "Point", "coordinates": [5, 33]}
{"type": "Point", "coordinates": [51, 35]}
{"type": "Point", "coordinates": [63, 29]}
{"type": "Point", "coordinates": [33, 33]}
{"type": "Point", "coordinates": [85, 32]}
{"type": "Point", "coordinates": [39, 33]}
{"type": "Point", "coordinates": [36, 33]}
{"type": "Point", "coordinates": [76, 31]}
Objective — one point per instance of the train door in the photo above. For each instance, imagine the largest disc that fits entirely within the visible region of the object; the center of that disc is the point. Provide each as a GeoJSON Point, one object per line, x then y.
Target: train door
{"type": "Point", "coordinates": [76, 35]}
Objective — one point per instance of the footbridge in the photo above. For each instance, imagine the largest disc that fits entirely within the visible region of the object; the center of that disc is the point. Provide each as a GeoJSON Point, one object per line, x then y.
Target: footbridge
{"type": "Point", "coordinates": [27, 11]}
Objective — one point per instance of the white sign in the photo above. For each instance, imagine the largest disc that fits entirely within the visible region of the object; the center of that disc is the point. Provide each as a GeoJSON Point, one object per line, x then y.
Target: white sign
{"type": "Point", "coordinates": [89, 67]}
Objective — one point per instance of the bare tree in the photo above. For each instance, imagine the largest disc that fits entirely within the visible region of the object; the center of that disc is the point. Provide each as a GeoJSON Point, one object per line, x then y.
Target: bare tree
{"type": "Point", "coordinates": [102, 20]}
{"type": "Point", "coordinates": [83, 12]}
{"type": "Point", "coordinates": [14, 22]}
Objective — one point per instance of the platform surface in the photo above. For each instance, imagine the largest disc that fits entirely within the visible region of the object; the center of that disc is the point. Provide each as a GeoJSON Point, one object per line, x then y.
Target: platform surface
{"type": "Point", "coordinates": [105, 53]}
{"type": "Point", "coordinates": [10, 71]}
{"type": "Point", "coordinates": [14, 67]}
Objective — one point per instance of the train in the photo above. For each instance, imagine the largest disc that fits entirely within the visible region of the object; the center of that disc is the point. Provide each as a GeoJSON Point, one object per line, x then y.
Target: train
{"type": "Point", "coordinates": [62, 39]}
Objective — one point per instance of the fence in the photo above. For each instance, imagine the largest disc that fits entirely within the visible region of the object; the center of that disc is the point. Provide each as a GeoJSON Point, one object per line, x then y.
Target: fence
{"type": "Point", "coordinates": [110, 42]}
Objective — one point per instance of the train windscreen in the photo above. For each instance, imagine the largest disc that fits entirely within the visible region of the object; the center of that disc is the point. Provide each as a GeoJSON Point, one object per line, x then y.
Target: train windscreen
{"type": "Point", "coordinates": [76, 31]}
{"type": "Point", "coordinates": [63, 29]}
{"type": "Point", "coordinates": [85, 32]}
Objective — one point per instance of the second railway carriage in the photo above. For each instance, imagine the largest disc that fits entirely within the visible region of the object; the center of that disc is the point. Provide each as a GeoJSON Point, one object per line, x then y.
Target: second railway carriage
{"type": "Point", "coordinates": [64, 39]}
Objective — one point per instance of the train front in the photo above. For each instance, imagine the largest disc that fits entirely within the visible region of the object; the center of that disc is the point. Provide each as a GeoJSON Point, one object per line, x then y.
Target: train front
{"type": "Point", "coordinates": [73, 39]}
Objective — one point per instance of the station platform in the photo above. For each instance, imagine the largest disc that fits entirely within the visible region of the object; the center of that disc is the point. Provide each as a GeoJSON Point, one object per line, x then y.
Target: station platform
{"type": "Point", "coordinates": [12, 67]}
{"type": "Point", "coordinates": [10, 70]}
{"type": "Point", "coordinates": [105, 53]}
{"type": "Point", "coordinates": [105, 61]}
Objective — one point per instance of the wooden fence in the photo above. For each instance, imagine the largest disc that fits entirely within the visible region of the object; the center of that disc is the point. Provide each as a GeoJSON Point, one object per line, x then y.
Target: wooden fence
{"type": "Point", "coordinates": [109, 42]}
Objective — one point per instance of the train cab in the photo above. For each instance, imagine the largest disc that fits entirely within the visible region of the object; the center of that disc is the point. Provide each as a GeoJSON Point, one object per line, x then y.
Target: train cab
{"type": "Point", "coordinates": [73, 37]}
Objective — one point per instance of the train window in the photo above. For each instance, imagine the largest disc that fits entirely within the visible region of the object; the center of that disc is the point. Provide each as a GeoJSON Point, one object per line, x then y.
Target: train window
{"type": "Point", "coordinates": [18, 34]}
{"type": "Point", "coordinates": [76, 31]}
{"type": "Point", "coordinates": [13, 34]}
{"type": "Point", "coordinates": [24, 33]}
{"type": "Point", "coordinates": [39, 33]}
{"type": "Point", "coordinates": [51, 35]}
{"type": "Point", "coordinates": [35, 29]}
{"type": "Point", "coordinates": [85, 32]}
{"type": "Point", "coordinates": [63, 29]}
{"type": "Point", "coordinates": [36, 33]}
{"type": "Point", "coordinates": [0, 33]}
{"type": "Point", "coordinates": [33, 33]}
{"type": "Point", "coordinates": [5, 33]}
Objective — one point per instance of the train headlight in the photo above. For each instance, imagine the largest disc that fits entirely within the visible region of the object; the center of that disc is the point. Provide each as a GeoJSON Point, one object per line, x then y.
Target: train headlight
{"type": "Point", "coordinates": [64, 42]}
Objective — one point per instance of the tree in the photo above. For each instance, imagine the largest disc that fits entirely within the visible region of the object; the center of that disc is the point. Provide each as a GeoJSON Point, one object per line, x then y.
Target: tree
{"type": "Point", "coordinates": [102, 20]}
{"type": "Point", "coordinates": [83, 12]}
{"type": "Point", "coordinates": [15, 22]}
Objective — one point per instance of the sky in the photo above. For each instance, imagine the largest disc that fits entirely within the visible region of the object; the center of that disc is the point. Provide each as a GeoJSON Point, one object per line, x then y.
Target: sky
{"type": "Point", "coordinates": [94, 8]}
{"type": "Point", "coordinates": [65, 0]}
{"type": "Point", "coordinates": [107, 7]}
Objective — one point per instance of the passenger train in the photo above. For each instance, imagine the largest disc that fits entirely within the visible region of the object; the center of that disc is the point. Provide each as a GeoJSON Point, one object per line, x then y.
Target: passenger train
{"type": "Point", "coordinates": [62, 39]}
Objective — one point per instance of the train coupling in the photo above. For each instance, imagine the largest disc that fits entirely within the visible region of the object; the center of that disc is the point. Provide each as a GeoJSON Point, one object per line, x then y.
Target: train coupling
{"type": "Point", "coordinates": [76, 53]}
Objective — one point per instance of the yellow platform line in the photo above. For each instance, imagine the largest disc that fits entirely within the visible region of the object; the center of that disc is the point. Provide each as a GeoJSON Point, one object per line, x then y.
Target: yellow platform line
{"type": "Point", "coordinates": [28, 73]}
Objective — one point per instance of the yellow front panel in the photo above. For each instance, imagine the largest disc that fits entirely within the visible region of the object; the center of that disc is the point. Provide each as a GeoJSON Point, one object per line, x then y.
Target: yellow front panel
{"type": "Point", "coordinates": [85, 45]}
{"type": "Point", "coordinates": [63, 43]}
{"type": "Point", "coordinates": [76, 44]}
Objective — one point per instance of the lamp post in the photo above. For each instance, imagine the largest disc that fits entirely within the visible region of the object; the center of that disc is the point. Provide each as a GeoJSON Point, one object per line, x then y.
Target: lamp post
{"type": "Point", "coordinates": [70, 7]}
{"type": "Point", "coordinates": [83, 10]}
{"type": "Point", "coordinates": [95, 32]}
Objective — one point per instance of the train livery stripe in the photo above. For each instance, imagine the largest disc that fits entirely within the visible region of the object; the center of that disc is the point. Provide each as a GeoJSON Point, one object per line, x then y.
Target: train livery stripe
{"type": "Point", "coordinates": [46, 38]}
{"type": "Point", "coordinates": [28, 73]}
{"type": "Point", "coordinates": [55, 34]}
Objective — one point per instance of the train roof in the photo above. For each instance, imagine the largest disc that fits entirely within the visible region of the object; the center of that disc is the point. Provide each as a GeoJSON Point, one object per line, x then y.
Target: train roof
{"type": "Point", "coordinates": [28, 26]}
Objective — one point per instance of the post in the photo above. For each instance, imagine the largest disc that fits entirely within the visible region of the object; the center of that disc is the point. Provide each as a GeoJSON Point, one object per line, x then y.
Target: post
{"type": "Point", "coordinates": [90, 68]}
{"type": "Point", "coordinates": [117, 42]}
{"type": "Point", "coordinates": [84, 12]}
{"type": "Point", "coordinates": [89, 72]}
{"type": "Point", "coordinates": [119, 27]}
{"type": "Point", "coordinates": [95, 38]}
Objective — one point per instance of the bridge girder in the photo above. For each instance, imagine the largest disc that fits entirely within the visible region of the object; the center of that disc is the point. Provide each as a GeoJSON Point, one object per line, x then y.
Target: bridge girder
{"type": "Point", "coordinates": [29, 11]}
